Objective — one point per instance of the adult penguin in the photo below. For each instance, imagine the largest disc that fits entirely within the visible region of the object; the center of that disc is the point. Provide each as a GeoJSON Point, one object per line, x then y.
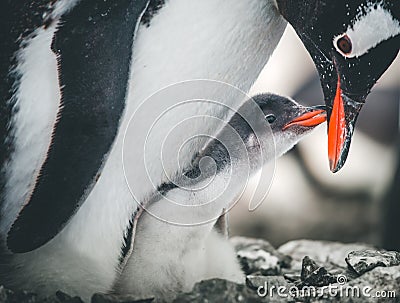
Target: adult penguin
{"type": "Point", "coordinates": [73, 73]}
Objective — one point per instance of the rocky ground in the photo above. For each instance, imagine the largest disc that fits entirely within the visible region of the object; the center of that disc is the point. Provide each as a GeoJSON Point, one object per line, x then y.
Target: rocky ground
{"type": "Point", "coordinates": [298, 271]}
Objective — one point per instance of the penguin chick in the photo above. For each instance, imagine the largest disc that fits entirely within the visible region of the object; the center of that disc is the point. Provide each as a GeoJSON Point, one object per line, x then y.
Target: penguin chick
{"type": "Point", "coordinates": [176, 244]}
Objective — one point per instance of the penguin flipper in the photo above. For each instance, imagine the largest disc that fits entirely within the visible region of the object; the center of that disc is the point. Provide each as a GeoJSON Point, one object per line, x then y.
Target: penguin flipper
{"type": "Point", "coordinates": [93, 45]}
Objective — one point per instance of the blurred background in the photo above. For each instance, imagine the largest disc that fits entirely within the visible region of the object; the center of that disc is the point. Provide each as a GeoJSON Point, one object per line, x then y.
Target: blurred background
{"type": "Point", "coordinates": [361, 203]}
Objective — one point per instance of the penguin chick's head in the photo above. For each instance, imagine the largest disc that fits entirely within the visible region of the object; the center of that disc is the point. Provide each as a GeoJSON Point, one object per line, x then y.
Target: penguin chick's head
{"type": "Point", "coordinates": [288, 121]}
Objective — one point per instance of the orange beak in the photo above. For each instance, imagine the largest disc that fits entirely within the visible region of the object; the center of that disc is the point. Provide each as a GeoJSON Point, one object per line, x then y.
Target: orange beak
{"type": "Point", "coordinates": [309, 119]}
{"type": "Point", "coordinates": [336, 130]}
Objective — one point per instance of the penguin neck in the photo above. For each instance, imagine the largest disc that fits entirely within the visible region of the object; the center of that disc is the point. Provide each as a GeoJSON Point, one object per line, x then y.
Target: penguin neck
{"type": "Point", "coordinates": [232, 152]}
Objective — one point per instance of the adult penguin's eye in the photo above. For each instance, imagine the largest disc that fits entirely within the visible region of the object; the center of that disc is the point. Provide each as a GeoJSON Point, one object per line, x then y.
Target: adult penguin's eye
{"type": "Point", "coordinates": [344, 44]}
{"type": "Point", "coordinates": [270, 118]}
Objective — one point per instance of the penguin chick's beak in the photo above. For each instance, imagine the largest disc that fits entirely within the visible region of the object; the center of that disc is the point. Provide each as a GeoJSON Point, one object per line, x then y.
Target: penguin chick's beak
{"type": "Point", "coordinates": [309, 119]}
{"type": "Point", "coordinates": [340, 128]}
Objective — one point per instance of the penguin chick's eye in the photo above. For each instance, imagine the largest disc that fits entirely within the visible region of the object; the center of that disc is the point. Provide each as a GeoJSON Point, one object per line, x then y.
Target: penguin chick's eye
{"type": "Point", "coordinates": [270, 118]}
{"type": "Point", "coordinates": [344, 44]}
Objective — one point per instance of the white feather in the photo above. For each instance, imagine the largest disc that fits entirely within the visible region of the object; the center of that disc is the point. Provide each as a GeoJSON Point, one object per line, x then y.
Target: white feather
{"type": "Point", "coordinates": [36, 104]}
{"type": "Point", "coordinates": [368, 30]}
